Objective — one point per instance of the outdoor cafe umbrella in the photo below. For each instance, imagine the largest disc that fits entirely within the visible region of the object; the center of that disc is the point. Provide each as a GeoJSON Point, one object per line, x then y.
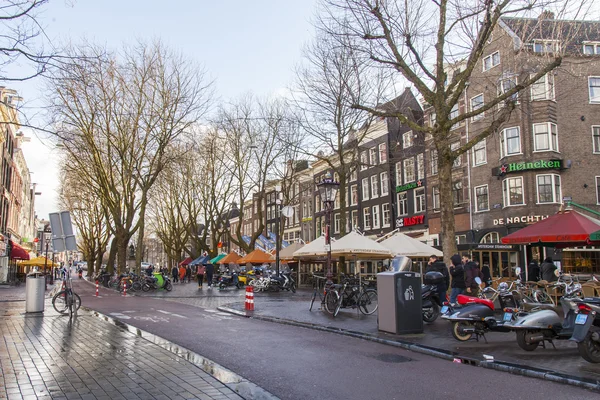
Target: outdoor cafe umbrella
{"type": "Point", "coordinates": [218, 258]}
{"type": "Point", "coordinates": [564, 229]}
{"type": "Point", "coordinates": [256, 257]}
{"type": "Point", "coordinates": [39, 262]}
{"type": "Point", "coordinates": [186, 261]}
{"type": "Point", "coordinates": [199, 260]}
{"type": "Point", "coordinates": [232, 257]}
{"type": "Point", "coordinates": [359, 246]}
{"type": "Point", "coordinates": [316, 248]}
{"type": "Point", "coordinates": [404, 245]}
{"type": "Point", "coordinates": [288, 252]}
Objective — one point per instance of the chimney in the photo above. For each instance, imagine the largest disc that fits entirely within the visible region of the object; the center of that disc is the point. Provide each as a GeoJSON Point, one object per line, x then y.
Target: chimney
{"type": "Point", "coordinates": [546, 15]}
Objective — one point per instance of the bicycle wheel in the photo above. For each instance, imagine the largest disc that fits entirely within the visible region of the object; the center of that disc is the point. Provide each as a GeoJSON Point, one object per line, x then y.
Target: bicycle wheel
{"type": "Point", "coordinates": [331, 300]}
{"type": "Point", "coordinates": [60, 304]}
{"type": "Point", "coordinates": [339, 306]}
{"type": "Point", "coordinates": [312, 300]}
{"type": "Point", "coordinates": [367, 302]}
{"type": "Point", "coordinates": [540, 296]}
{"type": "Point", "coordinates": [70, 306]}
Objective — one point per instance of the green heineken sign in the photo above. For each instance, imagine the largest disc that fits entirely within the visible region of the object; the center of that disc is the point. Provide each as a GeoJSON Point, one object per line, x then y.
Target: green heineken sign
{"type": "Point", "coordinates": [409, 186]}
{"type": "Point", "coordinates": [530, 165]}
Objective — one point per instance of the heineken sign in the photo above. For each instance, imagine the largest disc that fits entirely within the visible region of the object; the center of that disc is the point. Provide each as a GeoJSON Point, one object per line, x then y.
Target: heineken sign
{"type": "Point", "coordinates": [412, 185]}
{"type": "Point", "coordinates": [528, 166]}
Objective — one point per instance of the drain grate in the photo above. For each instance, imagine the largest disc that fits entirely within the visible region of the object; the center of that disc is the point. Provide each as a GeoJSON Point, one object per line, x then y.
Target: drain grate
{"type": "Point", "coordinates": [392, 358]}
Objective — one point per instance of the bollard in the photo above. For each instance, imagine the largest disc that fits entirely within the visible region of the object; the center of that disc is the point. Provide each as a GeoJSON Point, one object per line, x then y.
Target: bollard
{"type": "Point", "coordinates": [249, 298]}
{"type": "Point", "coordinates": [125, 289]}
{"type": "Point", "coordinates": [96, 287]}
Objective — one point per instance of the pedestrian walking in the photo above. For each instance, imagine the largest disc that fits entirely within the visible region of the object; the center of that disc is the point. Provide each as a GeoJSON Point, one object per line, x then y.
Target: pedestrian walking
{"type": "Point", "coordinates": [548, 269]}
{"type": "Point", "coordinates": [210, 269]}
{"type": "Point", "coordinates": [533, 271]}
{"type": "Point", "coordinates": [188, 273]}
{"type": "Point", "coordinates": [457, 272]}
{"type": "Point", "coordinates": [200, 274]}
{"type": "Point", "coordinates": [175, 274]}
{"type": "Point", "coordinates": [438, 266]}
{"type": "Point", "coordinates": [182, 272]}
{"type": "Point", "coordinates": [472, 271]}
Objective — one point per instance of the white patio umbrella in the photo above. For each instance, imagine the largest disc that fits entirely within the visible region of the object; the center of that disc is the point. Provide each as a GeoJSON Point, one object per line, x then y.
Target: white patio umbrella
{"type": "Point", "coordinates": [316, 248]}
{"type": "Point", "coordinates": [359, 246]}
{"type": "Point", "coordinates": [403, 245]}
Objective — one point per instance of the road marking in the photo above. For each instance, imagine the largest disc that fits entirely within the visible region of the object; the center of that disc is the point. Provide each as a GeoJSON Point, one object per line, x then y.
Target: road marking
{"type": "Point", "coordinates": [119, 315]}
{"type": "Point", "coordinates": [173, 314]}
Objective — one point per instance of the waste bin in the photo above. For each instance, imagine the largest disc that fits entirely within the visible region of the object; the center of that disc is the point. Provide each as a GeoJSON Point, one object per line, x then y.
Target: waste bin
{"type": "Point", "coordinates": [35, 290]}
{"type": "Point", "coordinates": [399, 298]}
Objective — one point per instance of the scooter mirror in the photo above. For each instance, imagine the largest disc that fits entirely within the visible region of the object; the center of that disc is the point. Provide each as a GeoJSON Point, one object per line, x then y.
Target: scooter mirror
{"type": "Point", "coordinates": [478, 280]}
{"type": "Point", "coordinates": [518, 271]}
{"type": "Point", "coordinates": [557, 273]}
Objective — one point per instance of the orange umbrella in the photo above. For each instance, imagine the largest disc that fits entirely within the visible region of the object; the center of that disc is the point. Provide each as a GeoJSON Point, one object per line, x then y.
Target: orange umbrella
{"type": "Point", "coordinates": [256, 257]}
{"type": "Point", "coordinates": [232, 257]}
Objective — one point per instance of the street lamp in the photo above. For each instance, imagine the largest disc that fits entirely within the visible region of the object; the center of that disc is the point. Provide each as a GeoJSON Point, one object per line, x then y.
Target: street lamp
{"type": "Point", "coordinates": [46, 260]}
{"type": "Point", "coordinates": [328, 189]}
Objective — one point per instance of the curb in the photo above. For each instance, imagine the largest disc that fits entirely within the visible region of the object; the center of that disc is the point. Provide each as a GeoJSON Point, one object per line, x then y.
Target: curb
{"type": "Point", "coordinates": [503, 366]}
{"type": "Point", "coordinates": [237, 383]}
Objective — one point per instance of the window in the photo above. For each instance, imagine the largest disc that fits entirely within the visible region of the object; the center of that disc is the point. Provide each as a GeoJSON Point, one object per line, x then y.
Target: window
{"type": "Point", "coordinates": [336, 223]}
{"type": "Point", "coordinates": [367, 218]}
{"type": "Point", "coordinates": [364, 161]}
{"type": "Point", "coordinates": [353, 195]}
{"type": "Point", "coordinates": [491, 237]}
{"type": "Point", "coordinates": [375, 217]}
{"type": "Point", "coordinates": [419, 200]}
{"type": "Point", "coordinates": [596, 139]}
{"type": "Point", "coordinates": [383, 177]}
{"type": "Point", "coordinates": [435, 197]}
{"type": "Point", "coordinates": [548, 188]}
{"type": "Point", "coordinates": [598, 190]}
{"type": "Point", "coordinates": [398, 173]}
{"type": "Point", "coordinates": [434, 162]}
{"type": "Point", "coordinates": [407, 139]}
{"type": "Point", "coordinates": [545, 137]}
{"type": "Point", "coordinates": [385, 215]}
{"type": "Point", "coordinates": [373, 156]}
{"type": "Point", "coordinates": [480, 153]}
{"type": "Point", "coordinates": [510, 142]}
{"type": "Point", "coordinates": [432, 118]}
{"type": "Point", "coordinates": [365, 189]}
{"type": "Point", "coordinates": [476, 104]}
{"type": "Point", "coordinates": [318, 225]}
{"type": "Point", "coordinates": [543, 89]}
{"type": "Point", "coordinates": [545, 46]}
{"type": "Point", "coordinates": [354, 219]}
{"type": "Point", "coordinates": [336, 202]}
{"type": "Point", "coordinates": [491, 61]}
{"type": "Point", "coordinates": [383, 153]}
{"type": "Point", "coordinates": [374, 187]}
{"type": "Point", "coordinates": [353, 175]}
{"type": "Point", "coordinates": [455, 146]}
{"type": "Point", "coordinates": [512, 192]}
{"type": "Point", "coordinates": [460, 239]}
{"type": "Point", "coordinates": [594, 85]}
{"type": "Point", "coordinates": [336, 177]}
{"type": "Point", "coordinates": [420, 166]}
{"type": "Point", "coordinates": [591, 48]}
{"type": "Point", "coordinates": [457, 194]}
{"type": "Point", "coordinates": [505, 84]}
{"type": "Point", "coordinates": [482, 202]}
{"type": "Point", "coordinates": [402, 203]}
{"type": "Point", "coordinates": [454, 114]}
{"type": "Point", "coordinates": [409, 170]}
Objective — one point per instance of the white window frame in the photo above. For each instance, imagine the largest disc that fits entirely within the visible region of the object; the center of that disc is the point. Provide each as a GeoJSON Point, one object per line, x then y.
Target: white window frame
{"type": "Point", "coordinates": [407, 139]}
{"type": "Point", "coordinates": [336, 223]}
{"type": "Point", "coordinates": [364, 160]}
{"type": "Point", "coordinates": [399, 173]}
{"type": "Point", "coordinates": [551, 137]}
{"type": "Point", "coordinates": [481, 149]}
{"type": "Point", "coordinates": [491, 237]}
{"type": "Point", "coordinates": [461, 194]}
{"type": "Point", "coordinates": [367, 218]}
{"type": "Point", "coordinates": [419, 197]}
{"type": "Point", "coordinates": [545, 46]}
{"type": "Point", "coordinates": [384, 182]}
{"type": "Point", "coordinates": [504, 142]}
{"type": "Point", "coordinates": [373, 156]}
{"type": "Point", "coordinates": [420, 166]}
{"type": "Point", "coordinates": [594, 100]}
{"type": "Point", "coordinates": [476, 197]}
{"type": "Point", "coordinates": [556, 197]}
{"type": "Point", "coordinates": [514, 81]}
{"type": "Point", "coordinates": [596, 139]}
{"type": "Point", "coordinates": [353, 195]}
{"type": "Point", "coordinates": [375, 217]}
{"type": "Point", "coordinates": [365, 189]}
{"type": "Point", "coordinates": [477, 107]}
{"type": "Point", "coordinates": [435, 197]}
{"type": "Point", "coordinates": [433, 155]}
{"type": "Point", "coordinates": [506, 194]}
{"type": "Point", "coordinates": [385, 215]}
{"type": "Point", "coordinates": [491, 61]}
{"type": "Point", "coordinates": [354, 175]}
{"type": "Point", "coordinates": [458, 160]}
{"type": "Point", "coordinates": [547, 84]}
{"type": "Point", "coordinates": [374, 186]}
{"type": "Point", "coordinates": [597, 189]}
{"type": "Point", "coordinates": [409, 166]}
{"type": "Point", "coordinates": [354, 215]}
{"type": "Point", "coordinates": [402, 202]}
{"type": "Point", "coordinates": [595, 46]}
{"type": "Point", "coordinates": [382, 148]}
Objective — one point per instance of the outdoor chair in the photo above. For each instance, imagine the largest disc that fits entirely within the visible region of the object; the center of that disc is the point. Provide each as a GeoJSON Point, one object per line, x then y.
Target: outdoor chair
{"type": "Point", "coordinates": [588, 289]}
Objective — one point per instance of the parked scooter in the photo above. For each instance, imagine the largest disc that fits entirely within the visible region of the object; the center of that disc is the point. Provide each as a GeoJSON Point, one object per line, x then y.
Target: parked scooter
{"type": "Point", "coordinates": [546, 325]}
{"type": "Point", "coordinates": [230, 279]}
{"type": "Point", "coordinates": [430, 299]}
{"type": "Point", "coordinates": [476, 316]}
{"type": "Point", "coordinates": [587, 329]}
{"type": "Point", "coordinates": [285, 280]}
{"type": "Point", "coordinates": [152, 282]}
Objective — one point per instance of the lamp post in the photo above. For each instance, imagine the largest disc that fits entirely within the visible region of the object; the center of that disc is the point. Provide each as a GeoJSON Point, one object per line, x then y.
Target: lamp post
{"type": "Point", "coordinates": [328, 189]}
{"type": "Point", "coordinates": [46, 261]}
{"type": "Point", "coordinates": [278, 201]}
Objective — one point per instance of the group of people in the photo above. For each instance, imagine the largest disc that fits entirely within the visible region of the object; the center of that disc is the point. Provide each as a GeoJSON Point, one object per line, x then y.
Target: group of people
{"type": "Point", "coordinates": [183, 273]}
{"type": "Point", "coordinates": [543, 272]}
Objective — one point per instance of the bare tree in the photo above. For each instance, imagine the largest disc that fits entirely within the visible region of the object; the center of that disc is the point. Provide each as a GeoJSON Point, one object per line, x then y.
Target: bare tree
{"type": "Point", "coordinates": [437, 47]}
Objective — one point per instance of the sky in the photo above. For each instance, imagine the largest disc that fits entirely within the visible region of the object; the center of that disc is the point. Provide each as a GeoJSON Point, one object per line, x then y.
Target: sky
{"type": "Point", "coordinates": [245, 46]}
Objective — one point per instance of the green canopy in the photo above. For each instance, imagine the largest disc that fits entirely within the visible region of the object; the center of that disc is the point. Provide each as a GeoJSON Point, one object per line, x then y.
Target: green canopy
{"type": "Point", "coordinates": [595, 236]}
{"type": "Point", "coordinates": [217, 258]}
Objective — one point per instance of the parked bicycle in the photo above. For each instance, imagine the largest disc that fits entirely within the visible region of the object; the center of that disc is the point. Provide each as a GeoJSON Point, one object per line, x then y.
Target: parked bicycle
{"type": "Point", "coordinates": [319, 289]}
{"type": "Point", "coordinates": [66, 301]}
{"type": "Point", "coordinates": [351, 294]}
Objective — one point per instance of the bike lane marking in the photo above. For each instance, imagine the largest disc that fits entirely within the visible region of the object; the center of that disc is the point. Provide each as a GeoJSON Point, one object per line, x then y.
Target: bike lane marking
{"type": "Point", "coordinates": [173, 314]}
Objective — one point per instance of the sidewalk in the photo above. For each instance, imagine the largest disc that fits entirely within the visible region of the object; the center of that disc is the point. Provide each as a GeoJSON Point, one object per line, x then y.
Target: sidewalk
{"type": "Point", "coordinates": [45, 356]}
{"type": "Point", "coordinates": [564, 362]}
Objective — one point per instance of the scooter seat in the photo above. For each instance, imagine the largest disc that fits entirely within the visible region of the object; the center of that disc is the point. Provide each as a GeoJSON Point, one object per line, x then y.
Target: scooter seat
{"type": "Point", "coordinates": [462, 300]}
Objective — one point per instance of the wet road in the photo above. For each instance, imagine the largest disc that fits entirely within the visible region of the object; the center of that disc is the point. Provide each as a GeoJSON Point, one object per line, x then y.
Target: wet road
{"type": "Point", "coordinates": [297, 363]}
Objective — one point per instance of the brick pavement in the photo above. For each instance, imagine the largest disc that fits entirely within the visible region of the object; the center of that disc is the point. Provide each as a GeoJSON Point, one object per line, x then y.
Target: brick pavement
{"type": "Point", "coordinates": [45, 356]}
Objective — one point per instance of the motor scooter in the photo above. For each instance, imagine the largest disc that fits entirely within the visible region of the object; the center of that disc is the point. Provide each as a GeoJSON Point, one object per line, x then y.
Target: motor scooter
{"type": "Point", "coordinates": [229, 279]}
{"type": "Point", "coordinates": [430, 299]}
{"type": "Point", "coordinates": [586, 332]}
{"type": "Point", "coordinates": [545, 325]}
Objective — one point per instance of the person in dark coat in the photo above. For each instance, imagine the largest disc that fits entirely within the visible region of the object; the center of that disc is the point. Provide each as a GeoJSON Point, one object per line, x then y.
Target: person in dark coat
{"type": "Point", "coordinates": [438, 266]}
{"type": "Point", "coordinates": [472, 271]}
{"type": "Point", "coordinates": [533, 271]}
{"type": "Point", "coordinates": [210, 270]}
{"type": "Point", "coordinates": [487, 275]}
{"type": "Point", "coordinates": [548, 269]}
{"type": "Point", "coordinates": [458, 278]}
{"type": "Point", "coordinates": [175, 274]}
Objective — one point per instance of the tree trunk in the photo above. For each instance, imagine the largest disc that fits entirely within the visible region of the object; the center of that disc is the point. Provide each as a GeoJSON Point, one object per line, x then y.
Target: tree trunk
{"type": "Point", "coordinates": [112, 255]}
{"type": "Point", "coordinates": [446, 206]}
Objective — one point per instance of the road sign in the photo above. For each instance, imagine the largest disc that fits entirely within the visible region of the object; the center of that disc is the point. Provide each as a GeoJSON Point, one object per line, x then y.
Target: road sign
{"type": "Point", "coordinates": [62, 232]}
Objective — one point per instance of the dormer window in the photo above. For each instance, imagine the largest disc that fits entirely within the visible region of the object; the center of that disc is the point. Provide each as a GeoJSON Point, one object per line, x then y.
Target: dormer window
{"type": "Point", "coordinates": [591, 48]}
{"type": "Point", "coordinates": [546, 46]}
{"type": "Point", "coordinates": [491, 61]}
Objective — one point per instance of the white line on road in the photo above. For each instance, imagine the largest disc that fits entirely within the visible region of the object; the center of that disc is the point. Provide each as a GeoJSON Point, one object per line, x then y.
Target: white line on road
{"type": "Point", "coordinates": [173, 314]}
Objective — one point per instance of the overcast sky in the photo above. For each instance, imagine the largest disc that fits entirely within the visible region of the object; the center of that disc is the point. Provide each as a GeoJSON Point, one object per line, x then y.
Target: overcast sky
{"type": "Point", "coordinates": [246, 46]}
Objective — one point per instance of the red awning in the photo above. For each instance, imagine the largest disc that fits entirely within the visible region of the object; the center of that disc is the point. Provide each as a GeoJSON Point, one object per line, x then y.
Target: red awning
{"type": "Point", "coordinates": [18, 253]}
{"type": "Point", "coordinates": [185, 262]}
{"type": "Point", "coordinates": [564, 229]}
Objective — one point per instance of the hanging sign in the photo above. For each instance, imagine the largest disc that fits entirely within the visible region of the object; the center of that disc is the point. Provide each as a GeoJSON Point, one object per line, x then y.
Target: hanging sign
{"type": "Point", "coordinates": [409, 221]}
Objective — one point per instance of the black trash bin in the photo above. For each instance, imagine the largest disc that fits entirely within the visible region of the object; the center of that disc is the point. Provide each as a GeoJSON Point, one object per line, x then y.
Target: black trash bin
{"type": "Point", "coordinates": [399, 297]}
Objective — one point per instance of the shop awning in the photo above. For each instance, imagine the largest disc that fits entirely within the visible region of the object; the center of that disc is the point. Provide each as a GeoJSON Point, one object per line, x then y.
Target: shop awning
{"type": "Point", "coordinates": [564, 229]}
{"type": "Point", "coordinates": [217, 258]}
{"type": "Point", "coordinates": [186, 261]}
{"type": "Point", "coordinates": [232, 257]}
{"type": "Point", "coordinates": [40, 261]}
{"type": "Point", "coordinates": [18, 253]}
